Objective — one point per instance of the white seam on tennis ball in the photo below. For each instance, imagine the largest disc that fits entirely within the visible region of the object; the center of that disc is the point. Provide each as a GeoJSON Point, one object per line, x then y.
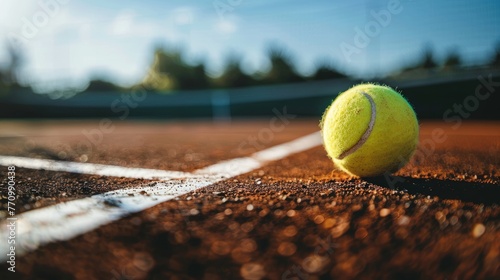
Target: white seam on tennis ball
{"type": "Point", "coordinates": [368, 130]}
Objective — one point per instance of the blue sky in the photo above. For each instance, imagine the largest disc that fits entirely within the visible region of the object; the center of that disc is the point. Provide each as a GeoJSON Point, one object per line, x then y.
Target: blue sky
{"type": "Point", "coordinates": [76, 40]}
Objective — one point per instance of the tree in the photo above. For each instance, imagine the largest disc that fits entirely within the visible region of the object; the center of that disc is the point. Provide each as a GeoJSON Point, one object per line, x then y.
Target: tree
{"type": "Point", "coordinates": [4, 88]}
{"type": "Point", "coordinates": [102, 85]}
{"type": "Point", "coordinates": [452, 60]}
{"type": "Point", "coordinates": [15, 63]}
{"type": "Point", "coordinates": [495, 60]}
{"type": "Point", "coordinates": [428, 61]}
{"type": "Point", "coordinates": [326, 71]}
{"type": "Point", "coordinates": [9, 76]}
{"type": "Point", "coordinates": [425, 62]}
{"type": "Point", "coordinates": [282, 68]}
{"type": "Point", "coordinates": [169, 71]}
{"type": "Point", "coordinates": [233, 75]}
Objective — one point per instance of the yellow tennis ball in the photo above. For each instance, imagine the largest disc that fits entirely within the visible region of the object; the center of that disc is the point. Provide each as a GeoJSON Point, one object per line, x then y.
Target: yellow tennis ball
{"type": "Point", "coordinates": [370, 130]}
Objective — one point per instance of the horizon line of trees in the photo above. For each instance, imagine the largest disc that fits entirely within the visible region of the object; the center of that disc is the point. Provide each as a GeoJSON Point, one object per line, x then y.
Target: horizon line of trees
{"type": "Point", "coordinates": [170, 71]}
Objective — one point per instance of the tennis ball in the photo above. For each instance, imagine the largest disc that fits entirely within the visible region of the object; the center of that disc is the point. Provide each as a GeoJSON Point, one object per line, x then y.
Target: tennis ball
{"type": "Point", "coordinates": [369, 130]}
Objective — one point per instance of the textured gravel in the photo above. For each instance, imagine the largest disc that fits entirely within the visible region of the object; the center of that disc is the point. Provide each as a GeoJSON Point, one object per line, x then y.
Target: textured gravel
{"type": "Point", "coordinates": [298, 218]}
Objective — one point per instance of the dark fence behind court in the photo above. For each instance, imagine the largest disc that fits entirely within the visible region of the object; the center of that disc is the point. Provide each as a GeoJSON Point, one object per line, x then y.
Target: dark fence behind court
{"type": "Point", "coordinates": [431, 96]}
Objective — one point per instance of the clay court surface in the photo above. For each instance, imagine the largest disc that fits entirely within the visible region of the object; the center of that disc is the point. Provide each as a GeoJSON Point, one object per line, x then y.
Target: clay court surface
{"type": "Point", "coordinates": [295, 217]}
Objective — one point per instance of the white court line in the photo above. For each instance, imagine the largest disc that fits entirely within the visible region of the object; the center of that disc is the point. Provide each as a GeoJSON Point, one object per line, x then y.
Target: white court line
{"type": "Point", "coordinates": [90, 168]}
{"type": "Point", "coordinates": [64, 221]}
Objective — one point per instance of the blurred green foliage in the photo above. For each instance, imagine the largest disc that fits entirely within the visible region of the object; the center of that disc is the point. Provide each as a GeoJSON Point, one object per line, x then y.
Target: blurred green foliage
{"type": "Point", "coordinates": [495, 60]}
{"type": "Point", "coordinates": [425, 62]}
{"type": "Point", "coordinates": [4, 88]}
{"type": "Point", "coordinates": [99, 84]}
{"type": "Point", "coordinates": [10, 72]}
{"type": "Point", "coordinates": [326, 71]}
{"type": "Point", "coordinates": [452, 61]}
{"type": "Point", "coordinates": [282, 67]}
{"type": "Point", "coordinates": [233, 75]}
{"type": "Point", "coordinates": [169, 71]}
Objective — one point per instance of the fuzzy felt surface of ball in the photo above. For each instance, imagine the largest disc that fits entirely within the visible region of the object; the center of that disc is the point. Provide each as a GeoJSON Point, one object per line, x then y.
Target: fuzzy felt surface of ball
{"type": "Point", "coordinates": [370, 130]}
